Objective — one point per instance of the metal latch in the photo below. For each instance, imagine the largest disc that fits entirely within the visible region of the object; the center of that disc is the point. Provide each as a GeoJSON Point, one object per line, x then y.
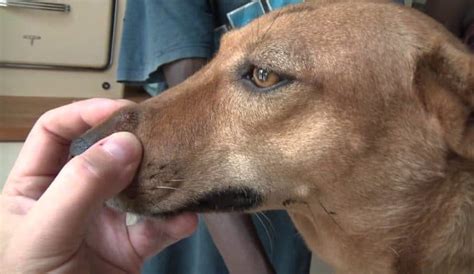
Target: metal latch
{"type": "Point", "coordinates": [36, 5]}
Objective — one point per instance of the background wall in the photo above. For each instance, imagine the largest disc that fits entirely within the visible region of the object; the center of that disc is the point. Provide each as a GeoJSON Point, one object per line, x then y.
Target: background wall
{"type": "Point", "coordinates": [8, 153]}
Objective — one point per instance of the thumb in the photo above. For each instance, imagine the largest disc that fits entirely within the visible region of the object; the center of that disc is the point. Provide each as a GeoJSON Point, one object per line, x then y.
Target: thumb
{"type": "Point", "coordinates": [85, 183]}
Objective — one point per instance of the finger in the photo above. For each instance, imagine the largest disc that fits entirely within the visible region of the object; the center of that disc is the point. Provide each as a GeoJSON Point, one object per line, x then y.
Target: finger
{"type": "Point", "coordinates": [83, 185]}
{"type": "Point", "coordinates": [150, 236]}
{"type": "Point", "coordinates": [55, 130]}
{"type": "Point", "coordinates": [46, 148]}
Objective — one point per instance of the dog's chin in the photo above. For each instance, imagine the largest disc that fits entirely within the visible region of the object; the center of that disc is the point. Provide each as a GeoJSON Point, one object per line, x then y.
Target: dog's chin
{"type": "Point", "coordinates": [225, 200]}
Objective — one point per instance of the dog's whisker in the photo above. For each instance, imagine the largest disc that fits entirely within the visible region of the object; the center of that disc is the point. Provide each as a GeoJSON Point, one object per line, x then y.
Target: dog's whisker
{"type": "Point", "coordinates": [257, 30]}
{"type": "Point", "coordinates": [279, 13]}
{"type": "Point", "coordinates": [394, 251]}
{"type": "Point", "coordinates": [166, 187]}
{"type": "Point", "coordinates": [330, 215]}
{"type": "Point", "coordinates": [269, 222]}
{"type": "Point", "coordinates": [267, 232]}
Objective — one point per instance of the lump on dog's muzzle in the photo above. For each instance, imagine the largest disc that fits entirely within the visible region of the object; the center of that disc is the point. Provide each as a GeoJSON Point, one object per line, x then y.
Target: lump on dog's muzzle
{"type": "Point", "coordinates": [125, 119]}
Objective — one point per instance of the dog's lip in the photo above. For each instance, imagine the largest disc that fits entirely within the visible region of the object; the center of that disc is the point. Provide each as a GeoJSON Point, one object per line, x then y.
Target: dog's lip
{"type": "Point", "coordinates": [226, 200]}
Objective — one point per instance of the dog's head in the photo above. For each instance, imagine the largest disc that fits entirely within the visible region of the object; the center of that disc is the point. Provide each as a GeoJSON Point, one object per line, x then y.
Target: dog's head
{"type": "Point", "coordinates": [354, 105]}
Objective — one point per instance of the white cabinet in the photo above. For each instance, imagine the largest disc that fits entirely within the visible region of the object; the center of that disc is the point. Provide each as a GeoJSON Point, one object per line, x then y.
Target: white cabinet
{"type": "Point", "coordinates": [63, 48]}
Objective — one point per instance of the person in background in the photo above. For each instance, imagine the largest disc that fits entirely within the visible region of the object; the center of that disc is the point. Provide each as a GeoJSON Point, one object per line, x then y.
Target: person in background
{"type": "Point", "coordinates": [457, 16]}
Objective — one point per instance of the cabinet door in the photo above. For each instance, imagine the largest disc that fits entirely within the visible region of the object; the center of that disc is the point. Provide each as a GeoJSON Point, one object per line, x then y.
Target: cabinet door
{"type": "Point", "coordinates": [57, 33]}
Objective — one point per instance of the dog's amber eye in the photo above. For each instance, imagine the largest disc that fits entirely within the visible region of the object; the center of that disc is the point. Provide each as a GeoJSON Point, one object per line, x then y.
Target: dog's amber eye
{"type": "Point", "coordinates": [264, 78]}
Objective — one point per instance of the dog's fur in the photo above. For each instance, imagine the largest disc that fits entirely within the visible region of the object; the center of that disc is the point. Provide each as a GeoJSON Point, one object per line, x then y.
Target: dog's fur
{"type": "Point", "coordinates": [369, 146]}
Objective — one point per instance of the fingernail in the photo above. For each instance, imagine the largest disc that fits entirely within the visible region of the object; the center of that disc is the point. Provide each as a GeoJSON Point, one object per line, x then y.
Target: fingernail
{"type": "Point", "coordinates": [123, 146]}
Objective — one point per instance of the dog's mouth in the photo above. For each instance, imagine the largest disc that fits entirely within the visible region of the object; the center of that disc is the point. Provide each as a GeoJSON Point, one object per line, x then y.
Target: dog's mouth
{"type": "Point", "coordinates": [227, 200]}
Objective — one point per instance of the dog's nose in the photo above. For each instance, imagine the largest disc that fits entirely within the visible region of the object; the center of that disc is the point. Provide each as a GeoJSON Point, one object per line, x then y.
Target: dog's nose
{"type": "Point", "coordinates": [93, 135]}
{"type": "Point", "coordinates": [123, 120]}
{"type": "Point", "coordinates": [79, 145]}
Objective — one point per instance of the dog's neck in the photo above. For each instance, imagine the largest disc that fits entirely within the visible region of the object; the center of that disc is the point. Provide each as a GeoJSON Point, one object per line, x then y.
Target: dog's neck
{"type": "Point", "coordinates": [440, 213]}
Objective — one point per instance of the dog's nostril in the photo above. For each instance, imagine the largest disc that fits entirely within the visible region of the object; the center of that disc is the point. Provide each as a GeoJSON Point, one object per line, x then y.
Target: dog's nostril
{"type": "Point", "coordinates": [78, 146]}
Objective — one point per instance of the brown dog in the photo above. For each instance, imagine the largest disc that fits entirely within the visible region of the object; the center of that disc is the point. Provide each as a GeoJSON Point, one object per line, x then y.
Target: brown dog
{"type": "Point", "coordinates": [357, 118]}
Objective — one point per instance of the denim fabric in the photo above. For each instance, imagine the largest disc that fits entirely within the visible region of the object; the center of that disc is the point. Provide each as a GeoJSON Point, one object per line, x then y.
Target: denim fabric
{"type": "Point", "coordinates": [198, 254]}
{"type": "Point", "coordinates": [158, 32]}
{"type": "Point", "coordinates": [194, 255]}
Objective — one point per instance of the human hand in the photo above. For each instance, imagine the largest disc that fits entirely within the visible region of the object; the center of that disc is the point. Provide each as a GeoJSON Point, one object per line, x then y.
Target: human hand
{"type": "Point", "coordinates": [51, 211]}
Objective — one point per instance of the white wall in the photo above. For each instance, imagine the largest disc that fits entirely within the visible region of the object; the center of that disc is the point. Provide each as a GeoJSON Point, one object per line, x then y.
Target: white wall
{"type": "Point", "coordinates": [8, 153]}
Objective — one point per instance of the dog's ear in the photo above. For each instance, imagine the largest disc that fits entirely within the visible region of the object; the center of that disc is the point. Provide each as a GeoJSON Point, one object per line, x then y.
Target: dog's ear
{"type": "Point", "coordinates": [445, 80]}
